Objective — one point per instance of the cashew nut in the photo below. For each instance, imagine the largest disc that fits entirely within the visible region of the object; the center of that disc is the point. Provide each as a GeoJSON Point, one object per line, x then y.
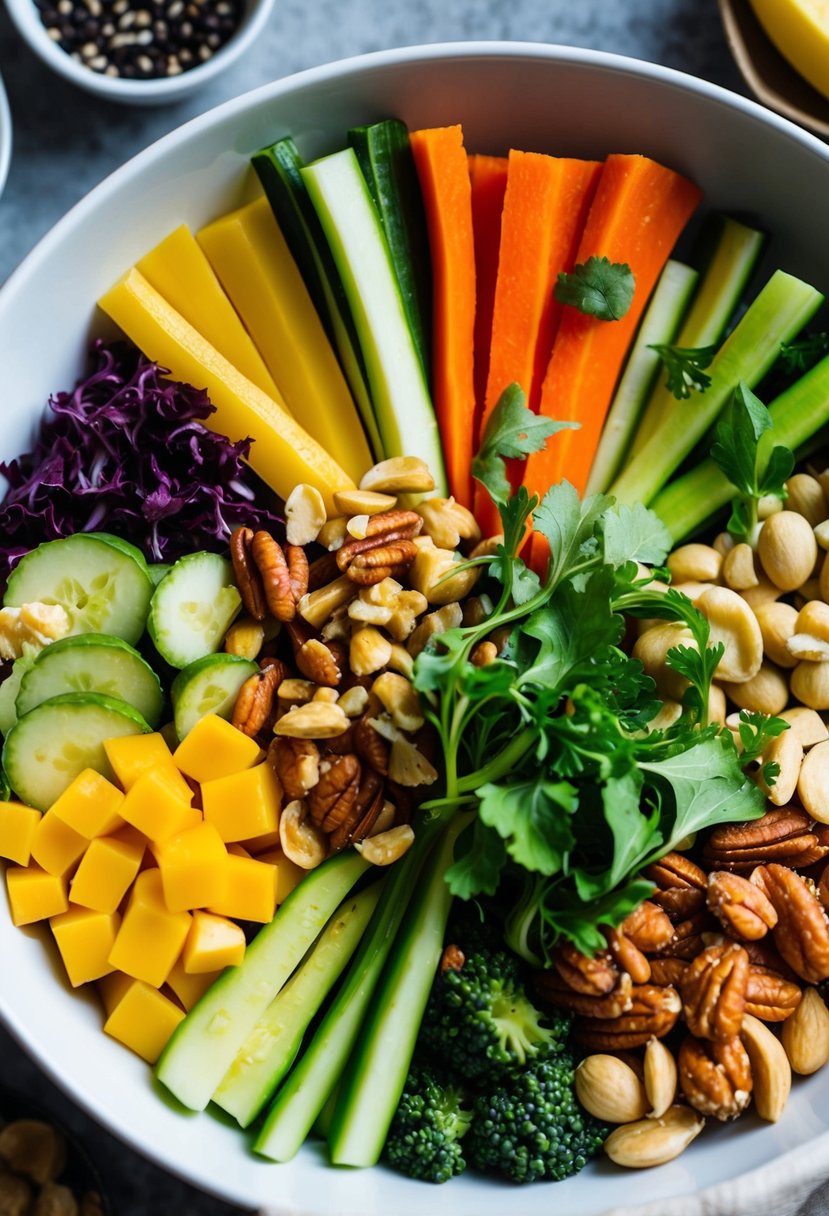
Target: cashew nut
{"type": "Point", "coordinates": [316, 720]}
{"type": "Point", "coordinates": [787, 549]}
{"type": "Point", "coordinates": [302, 841]}
{"type": "Point", "coordinates": [304, 515]}
{"type": "Point", "coordinates": [733, 623]}
{"type": "Point", "coordinates": [387, 847]}
{"type": "Point", "coordinates": [448, 522]}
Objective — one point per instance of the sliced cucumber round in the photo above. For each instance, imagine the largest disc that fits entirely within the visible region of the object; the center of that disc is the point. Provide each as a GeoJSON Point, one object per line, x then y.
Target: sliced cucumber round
{"type": "Point", "coordinates": [208, 686]}
{"type": "Point", "coordinates": [192, 608]}
{"type": "Point", "coordinates": [51, 744]}
{"type": "Point", "coordinates": [125, 546]}
{"type": "Point", "coordinates": [92, 662]}
{"type": "Point", "coordinates": [102, 586]}
{"type": "Point", "coordinates": [158, 570]}
{"type": "Point", "coordinates": [11, 687]}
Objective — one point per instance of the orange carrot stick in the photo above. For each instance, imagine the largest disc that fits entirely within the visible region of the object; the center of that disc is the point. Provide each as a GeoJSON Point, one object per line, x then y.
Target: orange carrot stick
{"type": "Point", "coordinates": [638, 212]}
{"type": "Point", "coordinates": [443, 171]}
{"type": "Point", "coordinates": [488, 175]}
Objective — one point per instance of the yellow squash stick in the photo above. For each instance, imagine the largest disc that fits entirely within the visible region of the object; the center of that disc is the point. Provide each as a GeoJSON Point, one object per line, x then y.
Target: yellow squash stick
{"type": "Point", "coordinates": [282, 453]}
{"type": "Point", "coordinates": [178, 269]}
{"type": "Point", "coordinates": [249, 254]}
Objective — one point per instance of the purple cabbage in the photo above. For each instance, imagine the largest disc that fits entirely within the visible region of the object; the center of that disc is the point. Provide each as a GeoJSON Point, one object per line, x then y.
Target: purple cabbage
{"type": "Point", "coordinates": [127, 452]}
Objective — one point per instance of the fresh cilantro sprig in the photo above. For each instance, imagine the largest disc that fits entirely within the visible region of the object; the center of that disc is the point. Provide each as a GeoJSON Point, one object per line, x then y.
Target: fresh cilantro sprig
{"type": "Point", "coordinates": [685, 366]}
{"type": "Point", "coordinates": [598, 287]}
{"type": "Point", "coordinates": [743, 450]}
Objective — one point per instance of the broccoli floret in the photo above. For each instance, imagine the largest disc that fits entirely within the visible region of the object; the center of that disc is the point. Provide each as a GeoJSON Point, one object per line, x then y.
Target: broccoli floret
{"type": "Point", "coordinates": [480, 1022]}
{"type": "Point", "coordinates": [531, 1127]}
{"type": "Point", "coordinates": [424, 1138]}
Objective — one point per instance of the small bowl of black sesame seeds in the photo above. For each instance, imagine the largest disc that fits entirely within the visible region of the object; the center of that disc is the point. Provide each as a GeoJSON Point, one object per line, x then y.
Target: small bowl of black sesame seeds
{"type": "Point", "coordinates": [141, 51]}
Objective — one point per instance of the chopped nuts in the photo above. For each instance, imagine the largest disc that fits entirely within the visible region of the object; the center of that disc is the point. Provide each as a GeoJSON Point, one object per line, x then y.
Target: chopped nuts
{"type": "Point", "coordinates": [399, 475]}
{"type": "Point", "coordinates": [432, 575]}
{"type": "Point", "coordinates": [369, 651]}
{"type": "Point", "coordinates": [32, 624]}
{"type": "Point", "coordinates": [400, 700]}
{"type": "Point", "coordinates": [245, 638]}
{"type": "Point", "coordinates": [302, 841]}
{"type": "Point", "coordinates": [387, 847]}
{"type": "Point", "coordinates": [316, 720]}
{"type": "Point", "coordinates": [304, 515]}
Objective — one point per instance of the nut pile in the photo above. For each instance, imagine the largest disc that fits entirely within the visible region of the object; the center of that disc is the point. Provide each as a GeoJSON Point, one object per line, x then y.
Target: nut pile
{"type": "Point", "coordinates": [336, 640]}
{"type": "Point", "coordinates": [708, 997]}
{"type": "Point", "coordinates": [32, 1160]}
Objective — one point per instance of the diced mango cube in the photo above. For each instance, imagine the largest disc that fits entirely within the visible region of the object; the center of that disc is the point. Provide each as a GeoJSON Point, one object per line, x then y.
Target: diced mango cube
{"type": "Point", "coordinates": [238, 850]}
{"type": "Point", "coordinates": [261, 844]}
{"type": "Point", "coordinates": [105, 872]}
{"type": "Point", "coordinates": [133, 755]}
{"type": "Point", "coordinates": [190, 988]}
{"type": "Point", "coordinates": [213, 943]}
{"type": "Point", "coordinates": [34, 894]}
{"type": "Point", "coordinates": [244, 804]}
{"type": "Point", "coordinates": [111, 988]}
{"type": "Point", "coordinates": [288, 873]}
{"type": "Point", "coordinates": [193, 868]}
{"type": "Point", "coordinates": [250, 893]}
{"type": "Point", "coordinates": [143, 1020]}
{"type": "Point", "coordinates": [17, 829]}
{"type": "Point", "coordinates": [151, 937]}
{"type": "Point", "coordinates": [90, 804]}
{"type": "Point", "coordinates": [55, 846]}
{"type": "Point", "coordinates": [85, 940]}
{"type": "Point", "coordinates": [214, 749]}
{"type": "Point", "coordinates": [156, 807]}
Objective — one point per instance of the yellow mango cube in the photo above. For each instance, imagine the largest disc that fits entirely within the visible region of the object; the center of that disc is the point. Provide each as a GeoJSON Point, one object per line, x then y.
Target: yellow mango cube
{"type": "Point", "coordinates": [213, 943]}
{"type": "Point", "coordinates": [111, 988]}
{"type": "Point", "coordinates": [150, 937]}
{"type": "Point", "coordinates": [156, 807]}
{"type": "Point", "coordinates": [250, 892]}
{"type": "Point", "coordinates": [263, 843]}
{"type": "Point", "coordinates": [214, 749]}
{"type": "Point", "coordinates": [55, 846]}
{"type": "Point", "coordinates": [193, 868]}
{"type": "Point", "coordinates": [288, 874]}
{"type": "Point", "coordinates": [90, 804]}
{"type": "Point", "coordinates": [85, 939]}
{"type": "Point", "coordinates": [238, 850]}
{"type": "Point", "coordinates": [105, 872]}
{"type": "Point", "coordinates": [190, 988]}
{"type": "Point", "coordinates": [133, 755]}
{"type": "Point", "coordinates": [34, 894]}
{"type": "Point", "coordinates": [243, 805]}
{"type": "Point", "coordinates": [17, 830]}
{"type": "Point", "coordinates": [143, 1020]}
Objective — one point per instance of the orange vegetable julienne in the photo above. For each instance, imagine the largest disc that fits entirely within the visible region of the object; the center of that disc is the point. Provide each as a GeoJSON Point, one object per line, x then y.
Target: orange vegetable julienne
{"type": "Point", "coordinates": [639, 210]}
{"type": "Point", "coordinates": [545, 207]}
{"type": "Point", "coordinates": [488, 175]}
{"type": "Point", "coordinates": [443, 171]}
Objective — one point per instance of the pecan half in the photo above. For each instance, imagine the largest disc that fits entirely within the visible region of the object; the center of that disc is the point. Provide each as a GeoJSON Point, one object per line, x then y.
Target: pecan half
{"type": "Point", "coordinates": [740, 906]}
{"type": "Point", "coordinates": [680, 885]}
{"type": "Point", "coordinates": [769, 996]}
{"type": "Point", "coordinates": [296, 764]}
{"type": "Point", "coordinates": [688, 936]}
{"type": "Point", "coordinates": [648, 927]}
{"type": "Point", "coordinates": [284, 574]}
{"type": "Point", "coordinates": [552, 989]}
{"type": "Point", "coordinates": [371, 746]}
{"type": "Point", "coordinates": [802, 931]}
{"type": "Point", "coordinates": [627, 956]}
{"type": "Point", "coordinates": [255, 701]}
{"type": "Point", "coordinates": [367, 806]}
{"type": "Point", "coordinates": [248, 578]}
{"type": "Point", "coordinates": [713, 992]}
{"type": "Point", "coordinates": [331, 801]}
{"type": "Point", "coordinates": [715, 1077]}
{"type": "Point", "coordinates": [653, 1013]}
{"type": "Point", "coordinates": [593, 976]}
{"type": "Point", "coordinates": [783, 834]}
{"type": "Point", "coordinates": [322, 662]}
{"type": "Point", "coordinates": [385, 551]}
{"type": "Point", "coordinates": [668, 971]}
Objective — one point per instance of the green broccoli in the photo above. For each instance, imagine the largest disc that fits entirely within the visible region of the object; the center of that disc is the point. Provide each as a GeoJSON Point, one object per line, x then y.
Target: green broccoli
{"type": "Point", "coordinates": [479, 1021]}
{"type": "Point", "coordinates": [531, 1127]}
{"type": "Point", "coordinates": [425, 1134]}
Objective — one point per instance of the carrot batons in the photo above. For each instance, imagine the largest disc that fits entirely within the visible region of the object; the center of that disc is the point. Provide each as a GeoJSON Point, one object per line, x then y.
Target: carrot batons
{"type": "Point", "coordinates": [639, 210]}
{"type": "Point", "coordinates": [443, 172]}
{"type": "Point", "coordinates": [488, 177]}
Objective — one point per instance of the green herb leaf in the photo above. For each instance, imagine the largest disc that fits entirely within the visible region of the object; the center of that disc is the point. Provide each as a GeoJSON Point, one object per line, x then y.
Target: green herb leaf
{"type": "Point", "coordinates": [802, 355]}
{"type": "Point", "coordinates": [598, 287]}
{"type": "Point", "coordinates": [743, 451]}
{"type": "Point", "coordinates": [533, 820]}
{"type": "Point", "coordinates": [634, 534]}
{"type": "Point", "coordinates": [512, 431]}
{"type": "Point", "coordinates": [569, 525]}
{"type": "Point", "coordinates": [480, 857]}
{"type": "Point", "coordinates": [684, 365]}
{"type": "Point", "coordinates": [756, 732]}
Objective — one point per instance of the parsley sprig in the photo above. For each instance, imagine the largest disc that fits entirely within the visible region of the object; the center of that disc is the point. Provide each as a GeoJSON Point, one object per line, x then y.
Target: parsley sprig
{"type": "Point", "coordinates": [549, 743]}
{"type": "Point", "coordinates": [685, 367]}
{"type": "Point", "coordinates": [598, 287]}
{"type": "Point", "coordinates": [744, 451]}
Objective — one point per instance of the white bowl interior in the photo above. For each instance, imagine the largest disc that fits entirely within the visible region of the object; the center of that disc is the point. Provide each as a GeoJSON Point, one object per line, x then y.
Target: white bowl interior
{"type": "Point", "coordinates": [530, 96]}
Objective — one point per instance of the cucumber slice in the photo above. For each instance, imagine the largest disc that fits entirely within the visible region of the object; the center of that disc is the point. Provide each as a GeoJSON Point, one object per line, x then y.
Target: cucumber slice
{"type": "Point", "coordinates": [158, 570]}
{"type": "Point", "coordinates": [205, 1044]}
{"type": "Point", "coordinates": [192, 608]}
{"type": "Point", "coordinates": [124, 546]}
{"type": "Point", "coordinates": [92, 662]}
{"type": "Point", "coordinates": [51, 744]}
{"type": "Point", "coordinates": [402, 404]}
{"type": "Point", "coordinates": [102, 586]}
{"type": "Point", "coordinates": [208, 686]}
{"type": "Point", "coordinates": [11, 687]}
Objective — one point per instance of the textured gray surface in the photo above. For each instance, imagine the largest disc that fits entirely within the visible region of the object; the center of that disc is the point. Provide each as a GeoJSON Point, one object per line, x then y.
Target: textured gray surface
{"type": "Point", "coordinates": [66, 142]}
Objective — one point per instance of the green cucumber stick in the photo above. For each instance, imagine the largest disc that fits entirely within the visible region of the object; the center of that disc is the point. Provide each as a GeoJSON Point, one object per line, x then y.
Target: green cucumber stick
{"type": "Point", "coordinates": [778, 313]}
{"type": "Point", "coordinates": [734, 250]}
{"type": "Point", "coordinates": [797, 414]}
{"type": "Point", "coordinates": [272, 1045]}
{"type": "Point", "coordinates": [659, 324]}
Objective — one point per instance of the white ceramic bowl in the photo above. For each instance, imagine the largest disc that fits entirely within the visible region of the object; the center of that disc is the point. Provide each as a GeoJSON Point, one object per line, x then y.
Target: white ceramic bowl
{"type": "Point", "coordinates": [26, 18]}
{"type": "Point", "coordinates": [531, 96]}
{"type": "Point", "coordinates": [5, 136]}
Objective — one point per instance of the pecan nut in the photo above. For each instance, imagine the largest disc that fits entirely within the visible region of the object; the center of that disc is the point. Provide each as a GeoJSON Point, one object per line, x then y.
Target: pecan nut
{"type": "Point", "coordinates": [769, 996]}
{"type": "Point", "coordinates": [552, 990]}
{"type": "Point", "coordinates": [321, 662]}
{"type": "Point", "coordinates": [715, 1077]}
{"type": "Point", "coordinates": [668, 971]}
{"type": "Point", "coordinates": [385, 551]}
{"type": "Point", "coordinates": [802, 931]}
{"type": "Point", "coordinates": [687, 941]}
{"type": "Point", "coordinates": [627, 956]}
{"type": "Point", "coordinates": [248, 578]}
{"type": "Point", "coordinates": [713, 991]}
{"type": "Point", "coordinates": [592, 976]}
{"type": "Point", "coordinates": [368, 804]}
{"type": "Point", "coordinates": [331, 801]}
{"type": "Point", "coordinates": [255, 702]}
{"type": "Point", "coordinates": [296, 765]}
{"type": "Point", "coordinates": [784, 834]}
{"type": "Point", "coordinates": [653, 1013]}
{"type": "Point", "coordinates": [740, 906]}
{"type": "Point", "coordinates": [284, 574]}
{"type": "Point", "coordinates": [680, 885]}
{"type": "Point", "coordinates": [648, 927]}
{"type": "Point", "coordinates": [370, 745]}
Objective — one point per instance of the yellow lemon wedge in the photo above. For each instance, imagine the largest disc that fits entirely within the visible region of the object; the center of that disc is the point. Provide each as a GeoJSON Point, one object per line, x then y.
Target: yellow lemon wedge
{"type": "Point", "coordinates": [800, 31]}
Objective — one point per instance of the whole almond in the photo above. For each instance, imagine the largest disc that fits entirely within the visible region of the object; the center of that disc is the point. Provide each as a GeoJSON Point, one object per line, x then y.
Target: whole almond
{"type": "Point", "coordinates": [608, 1088]}
{"type": "Point", "coordinates": [806, 1034]}
{"type": "Point", "coordinates": [770, 1068]}
{"type": "Point", "coordinates": [651, 1142]}
{"type": "Point", "coordinates": [660, 1078]}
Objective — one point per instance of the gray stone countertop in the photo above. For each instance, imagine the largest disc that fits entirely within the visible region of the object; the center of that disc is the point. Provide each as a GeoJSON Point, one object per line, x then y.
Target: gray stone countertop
{"type": "Point", "coordinates": [66, 141]}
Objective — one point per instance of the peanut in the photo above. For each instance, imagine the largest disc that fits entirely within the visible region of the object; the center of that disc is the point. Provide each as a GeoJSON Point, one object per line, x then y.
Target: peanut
{"type": "Point", "coordinates": [362, 502]}
{"type": "Point", "coordinates": [316, 720]}
{"type": "Point", "coordinates": [810, 684]}
{"type": "Point", "coordinates": [777, 623]}
{"type": "Point", "coordinates": [813, 782]}
{"type": "Point", "coordinates": [651, 648]}
{"type": "Point", "coordinates": [302, 841]}
{"type": "Point", "coordinates": [304, 515]}
{"type": "Point", "coordinates": [448, 522]}
{"type": "Point", "coordinates": [766, 692]}
{"type": "Point", "coordinates": [738, 568]}
{"type": "Point", "coordinates": [786, 751]}
{"type": "Point", "coordinates": [806, 497]}
{"type": "Point", "coordinates": [787, 549]}
{"type": "Point", "coordinates": [387, 847]}
{"type": "Point", "coordinates": [399, 475]}
{"type": "Point", "coordinates": [695, 563]}
{"type": "Point", "coordinates": [733, 623]}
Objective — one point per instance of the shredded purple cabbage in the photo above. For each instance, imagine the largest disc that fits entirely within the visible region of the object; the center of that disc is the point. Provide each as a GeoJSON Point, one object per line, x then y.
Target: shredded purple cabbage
{"type": "Point", "coordinates": [126, 452]}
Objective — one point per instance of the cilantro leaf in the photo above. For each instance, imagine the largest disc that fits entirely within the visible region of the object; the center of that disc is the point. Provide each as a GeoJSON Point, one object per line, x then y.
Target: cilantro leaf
{"type": "Point", "coordinates": [800, 356]}
{"type": "Point", "coordinates": [533, 819]}
{"type": "Point", "coordinates": [512, 431]}
{"type": "Point", "coordinates": [684, 365]}
{"type": "Point", "coordinates": [569, 525]}
{"type": "Point", "coordinates": [568, 634]}
{"type": "Point", "coordinates": [634, 534]}
{"type": "Point", "coordinates": [743, 451]}
{"type": "Point", "coordinates": [756, 731]}
{"type": "Point", "coordinates": [564, 914]}
{"type": "Point", "coordinates": [480, 857]}
{"type": "Point", "coordinates": [598, 287]}
{"type": "Point", "coordinates": [634, 834]}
